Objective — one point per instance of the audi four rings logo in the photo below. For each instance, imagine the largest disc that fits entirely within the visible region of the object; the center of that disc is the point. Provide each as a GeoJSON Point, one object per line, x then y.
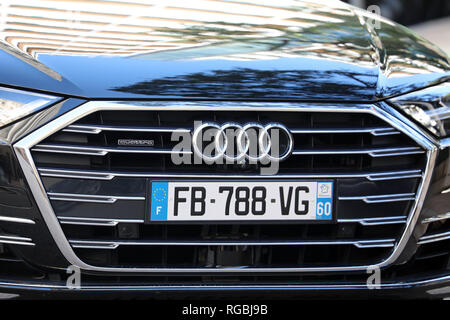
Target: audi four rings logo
{"type": "Point", "coordinates": [251, 142]}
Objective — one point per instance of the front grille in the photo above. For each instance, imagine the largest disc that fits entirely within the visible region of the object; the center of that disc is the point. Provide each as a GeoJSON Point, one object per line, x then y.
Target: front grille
{"type": "Point", "coordinates": [98, 191]}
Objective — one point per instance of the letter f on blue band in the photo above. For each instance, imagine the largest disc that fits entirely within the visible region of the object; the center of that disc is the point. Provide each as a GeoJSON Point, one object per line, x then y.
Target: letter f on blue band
{"type": "Point", "coordinates": [159, 201]}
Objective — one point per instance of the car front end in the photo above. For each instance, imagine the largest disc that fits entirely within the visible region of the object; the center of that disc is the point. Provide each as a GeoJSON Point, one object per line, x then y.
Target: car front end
{"type": "Point", "coordinates": [118, 174]}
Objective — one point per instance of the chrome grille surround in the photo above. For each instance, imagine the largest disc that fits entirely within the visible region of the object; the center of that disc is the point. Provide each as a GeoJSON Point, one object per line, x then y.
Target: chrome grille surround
{"type": "Point", "coordinates": [381, 110]}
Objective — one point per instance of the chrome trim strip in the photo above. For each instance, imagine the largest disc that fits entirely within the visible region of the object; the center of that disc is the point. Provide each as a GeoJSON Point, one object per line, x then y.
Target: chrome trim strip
{"type": "Point", "coordinates": [373, 152]}
{"type": "Point", "coordinates": [95, 129]}
{"type": "Point", "coordinates": [441, 217]}
{"type": "Point", "coordinates": [88, 244]}
{"type": "Point", "coordinates": [17, 220]}
{"type": "Point", "coordinates": [109, 175]}
{"type": "Point", "coordinates": [16, 240]}
{"type": "Point", "coordinates": [96, 221]}
{"type": "Point", "coordinates": [78, 151]}
{"type": "Point", "coordinates": [75, 174]}
{"type": "Point", "coordinates": [396, 176]}
{"type": "Point", "coordinates": [373, 131]}
{"type": "Point", "coordinates": [89, 198]}
{"type": "Point", "coordinates": [115, 222]}
{"type": "Point", "coordinates": [100, 151]}
{"type": "Point", "coordinates": [73, 129]}
{"type": "Point", "coordinates": [198, 288]}
{"type": "Point", "coordinates": [375, 221]}
{"type": "Point", "coordinates": [17, 243]}
{"type": "Point", "coordinates": [445, 143]}
{"type": "Point", "coordinates": [375, 244]}
{"type": "Point", "coordinates": [434, 238]}
{"type": "Point", "coordinates": [385, 132]}
{"type": "Point", "coordinates": [402, 152]}
{"type": "Point", "coordinates": [381, 110]}
{"type": "Point", "coordinates": [382, 198]}
{"type": "Point", "coordinates": [9, 237]}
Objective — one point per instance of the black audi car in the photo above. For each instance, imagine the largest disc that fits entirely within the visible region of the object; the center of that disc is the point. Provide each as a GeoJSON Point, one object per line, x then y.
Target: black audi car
{"type": "Point", "coordinates": [117, 172]}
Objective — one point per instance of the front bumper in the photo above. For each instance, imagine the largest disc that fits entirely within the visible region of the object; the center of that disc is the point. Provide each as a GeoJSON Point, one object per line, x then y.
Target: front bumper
{"type": "Point", "coordinates": [438, 288]}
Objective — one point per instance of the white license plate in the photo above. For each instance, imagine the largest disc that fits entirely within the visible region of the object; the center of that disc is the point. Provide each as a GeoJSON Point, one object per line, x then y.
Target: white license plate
{"type": "Point", "coordinates": [241, 201]}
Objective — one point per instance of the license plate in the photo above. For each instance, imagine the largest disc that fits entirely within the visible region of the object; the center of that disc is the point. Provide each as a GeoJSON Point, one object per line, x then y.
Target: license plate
{"type": "Point", "coordinates": [241, 201]}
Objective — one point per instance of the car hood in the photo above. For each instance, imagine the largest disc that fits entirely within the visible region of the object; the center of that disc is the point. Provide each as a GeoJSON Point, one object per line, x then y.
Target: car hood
{"type": "Point", "coordinates": [297, 50]}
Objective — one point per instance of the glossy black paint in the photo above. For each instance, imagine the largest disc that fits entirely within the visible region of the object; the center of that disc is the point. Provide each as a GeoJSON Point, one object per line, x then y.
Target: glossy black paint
{"type": "Point", "coordinates": [16, 201]}
{"type": "Point", "coordinates": [337, 56]}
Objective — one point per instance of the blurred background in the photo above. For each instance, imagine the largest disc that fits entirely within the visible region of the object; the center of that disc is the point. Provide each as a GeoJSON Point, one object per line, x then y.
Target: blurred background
{"type": "Point", "coordinates": [408, 12]}
{"type": "Point", "coordinates": [430, 18]}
